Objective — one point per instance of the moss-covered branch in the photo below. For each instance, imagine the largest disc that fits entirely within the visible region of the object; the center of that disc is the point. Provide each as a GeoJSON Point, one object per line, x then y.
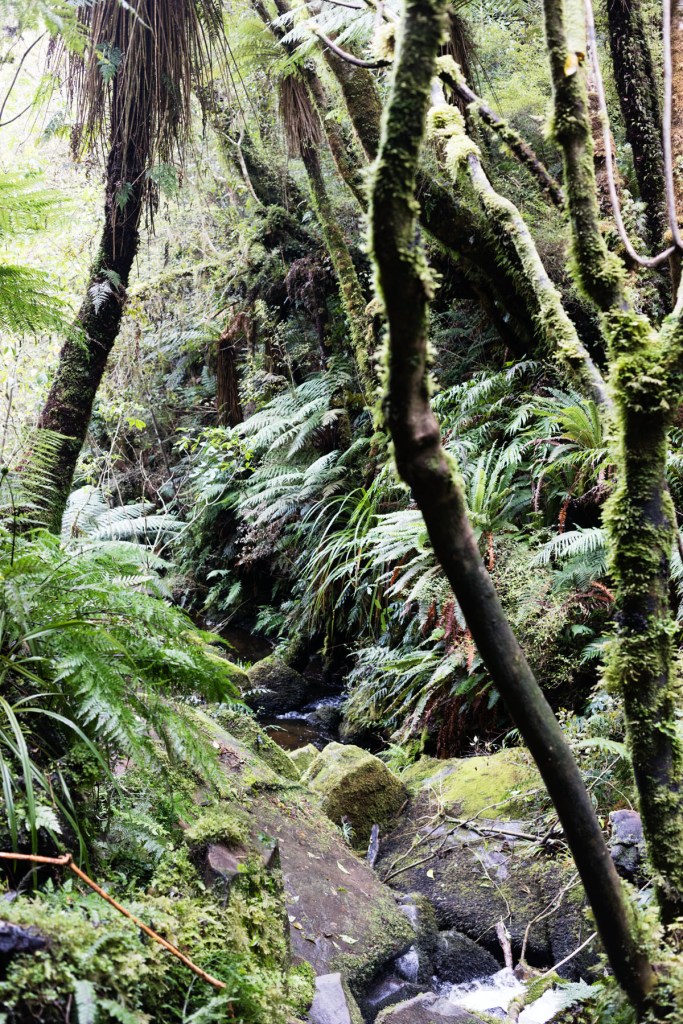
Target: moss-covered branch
{"type": "Point", "coordinates": [599, 272]}
{"type": "Point", "coordinates": [460, 153]}
{"type": "Point", "coordinates": [639, 517]}
{"type": "Point", "coordinates": [451, 75]}
{"type": "Point", "coordinates": [405, 284]}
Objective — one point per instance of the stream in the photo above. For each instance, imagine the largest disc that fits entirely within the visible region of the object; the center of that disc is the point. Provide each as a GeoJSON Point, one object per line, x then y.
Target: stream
{"type": "Point", "coordinates": [317, 722]}
{"type": "Point", "coordinates": [494, 994]}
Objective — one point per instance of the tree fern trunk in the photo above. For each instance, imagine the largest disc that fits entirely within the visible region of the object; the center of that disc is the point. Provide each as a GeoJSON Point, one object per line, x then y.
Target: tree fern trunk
{"type": "Point", "coordinates": [84, 355]}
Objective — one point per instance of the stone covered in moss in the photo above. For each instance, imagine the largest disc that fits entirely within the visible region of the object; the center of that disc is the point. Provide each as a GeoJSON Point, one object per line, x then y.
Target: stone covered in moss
{"type": "Point", "coordinates": [462, 845]}
{"type": "Point", "coordinates": [274, 688]}
{"type": "Point", "coordinates": [473, 785]}
{"type": "Point", "coordinates": [304, 757]}
{"type": "Point", "coordinates": [247, 729]}
{"type": "Point", "coordinates": [353, 785]}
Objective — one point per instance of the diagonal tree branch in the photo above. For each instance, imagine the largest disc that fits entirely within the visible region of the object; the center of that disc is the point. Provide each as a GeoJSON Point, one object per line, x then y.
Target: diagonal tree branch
{"type": "Point", "coordinates": [406, 286]}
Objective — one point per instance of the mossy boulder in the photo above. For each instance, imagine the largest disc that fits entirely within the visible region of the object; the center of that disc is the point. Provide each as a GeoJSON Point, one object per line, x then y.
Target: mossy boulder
{"type": "Point", "coordinates": [463, 843]}
{"type": "Point", "coordinates": [304, 757]}
{"type": "Point", "coordinates": [355, 786]}
{"type": "Point", "coordinates": [273, 688]}
{"type": "Point", "coordinates": [495, 785]}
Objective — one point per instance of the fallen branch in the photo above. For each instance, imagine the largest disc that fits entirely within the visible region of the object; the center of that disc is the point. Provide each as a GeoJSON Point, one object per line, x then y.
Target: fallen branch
{"type": "Point", "coordinates": [67, 861]}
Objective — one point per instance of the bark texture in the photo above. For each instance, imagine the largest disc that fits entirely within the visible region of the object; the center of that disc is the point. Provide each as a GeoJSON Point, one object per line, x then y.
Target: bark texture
{"type": "Point", "coordinates": [639, 101]}
{"type": "Point", "coordinates": [639, 515]}
{"type": "Point", "coordinates": [84, 355]}
{"type": "Point", "coordinates": [405, 284]}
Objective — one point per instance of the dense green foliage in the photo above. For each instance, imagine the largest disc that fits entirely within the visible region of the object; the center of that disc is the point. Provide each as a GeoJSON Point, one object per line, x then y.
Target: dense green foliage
{"type": "Point", "coordinates": [237, 474]}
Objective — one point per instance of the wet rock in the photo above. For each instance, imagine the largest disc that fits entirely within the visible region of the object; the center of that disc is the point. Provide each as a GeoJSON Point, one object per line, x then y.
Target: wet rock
{"type": "Point", "coordinates": [15, 939]}
{"type": "Point", "coordinates": [427, 1008]}
{"type": "Point", "coordinates": [627, 844]}
{"type": "Point", "coordinates": [355, 786]}
{"type": "Point", "coordinates": [326, 715]}
{"type": "Point", "coordinates": [274, 688]}
{"type": "Point", "coordinates": [481, 868]}
{"type": "Point", "coordinates": [420, 913]}
{"type": "Point", "coordinates": [408, 965]}
{"type": "Point", "coordinates": [458, 959]}
{"type": "Point", "coordinates": [304, 757]}
{"type": "Point", "coordinates": [385, 992]}
{"type": "Point", "coordinates": [333, 1003]}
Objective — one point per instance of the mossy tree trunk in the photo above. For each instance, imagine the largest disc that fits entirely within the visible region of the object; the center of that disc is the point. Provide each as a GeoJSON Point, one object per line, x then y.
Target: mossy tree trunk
{"type": "Point", "coordinates": [352, 296]}
{"type": "Point", "coordinates": [639, 101]}
{"type": "Point", "coordinates": [83, 358]}
{"type": "Point", "coordinates": [406, 286]}
{"type": "Point", "coordinates": [639, 516]}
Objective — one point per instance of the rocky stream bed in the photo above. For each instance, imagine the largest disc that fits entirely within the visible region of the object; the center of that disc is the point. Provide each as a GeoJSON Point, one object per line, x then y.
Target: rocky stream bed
{"type": "Point", "coordinates": [424, 897]}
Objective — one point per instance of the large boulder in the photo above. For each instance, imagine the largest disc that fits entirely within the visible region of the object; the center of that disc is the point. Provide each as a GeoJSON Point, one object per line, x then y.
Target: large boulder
{"type": "Point", "coordinates": [341, 918]}
{"type": "Point", "coordinates": [274, 688]}
{"type": "Point", "coordinates": [356, 787]}
{"type": "Point", "coordinates": [463, 843]}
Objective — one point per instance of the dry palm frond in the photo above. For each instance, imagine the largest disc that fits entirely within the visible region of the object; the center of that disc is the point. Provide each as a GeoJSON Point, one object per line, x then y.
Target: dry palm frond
{"type": "Point", "coordinates": [301, 122]}
{"type": "Point", "coordinates": [132, 87]}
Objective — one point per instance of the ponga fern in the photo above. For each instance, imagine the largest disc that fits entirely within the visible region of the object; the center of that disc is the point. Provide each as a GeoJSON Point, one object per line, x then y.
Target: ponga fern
{"type": "Point", "coordinates": [90, 518]}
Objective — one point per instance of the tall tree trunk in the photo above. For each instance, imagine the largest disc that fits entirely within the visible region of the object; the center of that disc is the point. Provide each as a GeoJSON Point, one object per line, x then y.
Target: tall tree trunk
{"type": "Point", "coordinates": [639, 516]}
{"type": "Point", "coordinates": [422, 462]}
{"type": "Point", "coordinates": [352, 296]}
{"type": "Point", "coordinates": [639, 101]}
{"type": "Point", "coordinates": [84, 355]}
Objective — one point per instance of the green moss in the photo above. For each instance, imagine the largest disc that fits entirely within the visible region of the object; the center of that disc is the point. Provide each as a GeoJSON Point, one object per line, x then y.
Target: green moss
{"type": "Point", "coordinates": [304, 757]}
{"type": "Point", "coordinates": [491, 786]}
{"type": "Point", "coordinates": [385, 929]}
{"type": "Point", "coordinates": [94, 951]}
{"type": "Point", "coordinates": [301, 987]}
{"type": "Point", "coordinates": [217, 825]}
{"type": "Point", "coordinates": [247, 729]}
{"type": "Point", "coordinates": [354, 785]}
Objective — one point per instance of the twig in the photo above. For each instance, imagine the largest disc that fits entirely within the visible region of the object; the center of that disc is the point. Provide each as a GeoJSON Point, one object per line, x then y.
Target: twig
{"type": "Point", "coordinates": [504, 939]}
{"type": "Point", "coordinates": [348, 57]}
{"type": "Point", "coordinates": [67, 861]}
{"type": "Point", "coordinates": [571, 955]}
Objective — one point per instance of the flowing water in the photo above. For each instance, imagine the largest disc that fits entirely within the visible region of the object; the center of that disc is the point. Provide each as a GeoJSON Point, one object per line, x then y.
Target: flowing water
{"type": "Point", "coordinates": [495, 993]}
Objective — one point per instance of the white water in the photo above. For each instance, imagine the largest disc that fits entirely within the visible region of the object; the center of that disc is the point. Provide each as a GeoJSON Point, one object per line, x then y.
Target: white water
{"type": "Point", "coordinates": [497, 992]}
